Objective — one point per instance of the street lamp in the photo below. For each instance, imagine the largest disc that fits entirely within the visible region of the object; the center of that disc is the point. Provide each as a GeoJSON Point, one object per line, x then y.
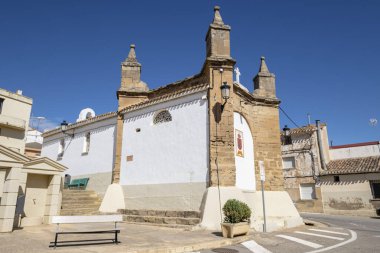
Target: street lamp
{"type": "Point", "coordinates": [287, 136]}
{"type": "Point", "coordinates": [225, 93]}
{"type": "Point", "coordinates": [64, 126]}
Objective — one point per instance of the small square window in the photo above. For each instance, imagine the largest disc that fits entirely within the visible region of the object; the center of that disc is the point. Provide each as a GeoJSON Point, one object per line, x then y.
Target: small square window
{"type": "Point", "coordinates": [307, 191]}
{"type": "Point", "coordinates": [61, 148]}
{"type": "Point", "coordinates": [288, 162]}
{"type": "Point", "coordinates": [86, 143]}
{"type": "Point", "coordinates": [1, 104]}
{"type": "Point", "coordinates": [375, 186]}
{"type": "Point", "coordinates": [336, 179]}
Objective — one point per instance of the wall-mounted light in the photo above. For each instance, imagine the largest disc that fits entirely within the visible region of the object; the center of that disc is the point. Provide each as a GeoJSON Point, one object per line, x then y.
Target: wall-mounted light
{"type": "Point", "coordinates": [286, 130]}
{"type": "Point", "coordinates": [64, 126]}
{"type": "Point", "coordinates": [287, 136]}
{"type": "Point", "coordinates": [225, 88]}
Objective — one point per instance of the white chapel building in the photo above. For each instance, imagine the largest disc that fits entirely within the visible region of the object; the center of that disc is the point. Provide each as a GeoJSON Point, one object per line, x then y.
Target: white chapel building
{"type": "Point", "coordinates": [183, 146]}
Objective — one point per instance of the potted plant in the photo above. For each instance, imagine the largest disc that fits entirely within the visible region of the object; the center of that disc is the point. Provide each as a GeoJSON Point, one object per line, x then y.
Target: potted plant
{"type": "Point", "coordinates": [236, 218]}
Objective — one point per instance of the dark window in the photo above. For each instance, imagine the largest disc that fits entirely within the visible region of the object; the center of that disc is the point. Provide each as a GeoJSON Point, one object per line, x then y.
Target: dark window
{"type": "Point", "coordinates": [336, 179]}
{"type": "Point", "coordinates": [1, 104]}
{"type": "Point", "coordinates": [287, 140]}
{"type": "Point", "coordinates": [375, 190]}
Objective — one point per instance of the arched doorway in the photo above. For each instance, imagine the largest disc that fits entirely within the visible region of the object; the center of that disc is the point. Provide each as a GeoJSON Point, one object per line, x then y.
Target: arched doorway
{"type": "Point", "coordinates": [244, 156]}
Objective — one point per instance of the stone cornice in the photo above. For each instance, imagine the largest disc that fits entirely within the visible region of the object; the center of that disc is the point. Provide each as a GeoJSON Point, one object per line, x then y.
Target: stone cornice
{"type": "Point", "coordinates": [54, 164]}
{"type": "Point", "coordinates": [13, 154]}
{"type": "Point", "coordinates": [166, 97]}
{"type": "Point", "coordinates": [257, 100]}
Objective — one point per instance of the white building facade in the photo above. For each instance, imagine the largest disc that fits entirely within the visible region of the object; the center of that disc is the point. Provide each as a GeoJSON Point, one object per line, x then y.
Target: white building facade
{"type": "Point", "coordinates": [87, 150]}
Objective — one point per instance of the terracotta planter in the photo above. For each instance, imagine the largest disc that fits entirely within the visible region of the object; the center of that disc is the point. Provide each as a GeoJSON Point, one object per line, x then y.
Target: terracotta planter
{"type": "Point", "coordinates": [230, 230]}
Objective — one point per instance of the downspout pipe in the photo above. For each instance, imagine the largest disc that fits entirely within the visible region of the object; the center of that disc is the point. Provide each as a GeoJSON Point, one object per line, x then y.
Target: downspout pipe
{"type": "Point", "coordinates": [320, 145]}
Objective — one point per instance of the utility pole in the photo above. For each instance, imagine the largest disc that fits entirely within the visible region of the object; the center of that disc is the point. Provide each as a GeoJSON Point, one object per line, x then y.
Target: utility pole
{"type": "Point", "coordinates": [262, 179]}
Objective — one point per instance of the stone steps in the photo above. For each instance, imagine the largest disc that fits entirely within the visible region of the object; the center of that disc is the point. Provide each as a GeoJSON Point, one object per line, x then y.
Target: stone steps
{"type": "Point", "coordinates": [162, 213]}
{"type": "Point", "coordinates": [82, 211]}
{"type": "Point", "coordinates": [182, 219]}
{"type": "Point", "coordinates": [161, 220]}
{"type": "Point", "coordinates": [80, 202]}
{"type": "Point", "coordinates": [82, 205]}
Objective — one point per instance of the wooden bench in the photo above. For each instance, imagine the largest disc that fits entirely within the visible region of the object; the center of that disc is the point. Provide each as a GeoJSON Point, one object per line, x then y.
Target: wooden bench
{"type": "Point", "coordinates": [79, 183]}
{"type": "Point", "coordinates": [86, 219]}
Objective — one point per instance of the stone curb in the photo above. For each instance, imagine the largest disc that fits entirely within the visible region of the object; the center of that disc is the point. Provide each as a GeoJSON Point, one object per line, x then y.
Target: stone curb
{"type": "Point", "coordinates": [193, 247]}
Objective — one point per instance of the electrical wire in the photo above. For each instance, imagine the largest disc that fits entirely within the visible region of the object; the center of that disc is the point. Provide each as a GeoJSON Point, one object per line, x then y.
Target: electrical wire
{"type": "Point", "coordinates": [288, 117]}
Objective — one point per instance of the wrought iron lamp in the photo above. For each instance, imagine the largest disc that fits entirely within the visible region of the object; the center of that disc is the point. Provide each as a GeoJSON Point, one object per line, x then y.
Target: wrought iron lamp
{"type": "Point", "coordinates": [225, 93]}
{"type": "Point", "coordinates": [64, 126]}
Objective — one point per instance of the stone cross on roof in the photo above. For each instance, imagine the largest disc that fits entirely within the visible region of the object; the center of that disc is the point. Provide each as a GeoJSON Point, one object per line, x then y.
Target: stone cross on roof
{"type": "Point", "coordinates": [237, 73]}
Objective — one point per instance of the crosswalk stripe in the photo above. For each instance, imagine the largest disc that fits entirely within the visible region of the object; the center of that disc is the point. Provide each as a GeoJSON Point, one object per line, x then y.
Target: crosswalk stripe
{"type": "Point", "coordinates": [254, 247]}
{"type": "Point", "coordinates": [319, 235]}
{"type": "Point", "coordinates": [304, 242]}
{"type": "Point", "coordinates": [328, 231]}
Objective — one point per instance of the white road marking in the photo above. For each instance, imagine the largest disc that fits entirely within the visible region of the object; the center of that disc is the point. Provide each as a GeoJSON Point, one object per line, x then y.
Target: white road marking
{"type": "Point", "coordinates": [328, 231]}
{"type": "Point", "coordinates": [304, 242]}
{"type": "Point", "coordinates": [376, 236]}
{"type": "Point", "coordinates": [254, 247]}
{"type": "Point", "coordinates": [353, 238]}
{"type": "Point", "coordinates": [354, 224]}
{"type": "Point", "coordinates": [319, 235]}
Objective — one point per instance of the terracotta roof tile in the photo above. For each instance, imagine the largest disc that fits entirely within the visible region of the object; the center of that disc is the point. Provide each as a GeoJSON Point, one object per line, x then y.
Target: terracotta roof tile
{"type": "Point", "coordinates": [353, 165]}
{"type": "Point", "coordinates": [81, 123]}
{"type": "Point", "coordinates": [303, 130]}
{"type": "Point", "coordinates": [166, 97]}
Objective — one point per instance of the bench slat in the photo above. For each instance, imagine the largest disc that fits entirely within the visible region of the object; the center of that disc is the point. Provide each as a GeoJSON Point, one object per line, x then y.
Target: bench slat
{"type": "Point", "coordinates": [85, 219]}
{"type": "Point", "coordinates": [91, 232]}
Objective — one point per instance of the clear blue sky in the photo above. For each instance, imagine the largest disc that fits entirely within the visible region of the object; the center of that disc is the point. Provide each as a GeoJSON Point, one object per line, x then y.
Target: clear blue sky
{"type": "Point", "coordinates": [66, 54]}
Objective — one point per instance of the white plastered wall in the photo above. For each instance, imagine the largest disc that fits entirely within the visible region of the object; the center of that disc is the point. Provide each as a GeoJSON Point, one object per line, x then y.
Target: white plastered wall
{"type": "Point", "coordinates": [245, 166]}
{"type": "Point", "coordinates": [97, 163]}
{"type": "Point", "coordinates": [353, 152]}
{"type": "Point", "coordinates": [167, 165]}
{"type": "Point", "coordinates": [350, 196]}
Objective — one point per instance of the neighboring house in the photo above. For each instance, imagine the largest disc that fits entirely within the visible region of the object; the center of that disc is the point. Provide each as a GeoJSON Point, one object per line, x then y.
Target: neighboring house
{"type": "Point", "coordinates": [14, 119]}
{"type": "Point", "coordinates": [33, 143]}
{"type": "Point", "coordinates": [348, 184]}
{"type": "Point", "coordinates": [302, 166]}
{"type": "Point", "coordinates": [30, 189]}
{"type": "Point", "coordinates": [351, 184]}
{"type": "Point", "coordinates": [172, 147]}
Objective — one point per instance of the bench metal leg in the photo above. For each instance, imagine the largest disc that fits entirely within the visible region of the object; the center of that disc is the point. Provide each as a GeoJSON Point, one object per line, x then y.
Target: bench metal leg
{"type": "Point", "coordinates": [116, 237]}
{"type": "Point", "coordinates": [55, 241]}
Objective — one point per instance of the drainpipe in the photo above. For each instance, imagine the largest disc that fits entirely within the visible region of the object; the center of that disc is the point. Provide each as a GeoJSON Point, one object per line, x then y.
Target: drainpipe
{"type": "Point", "coordinates": [320, 145]}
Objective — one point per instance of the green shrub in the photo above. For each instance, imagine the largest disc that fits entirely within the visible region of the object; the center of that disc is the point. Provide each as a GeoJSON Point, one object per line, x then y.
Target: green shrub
{"type": "Point", "coordinates": [236, 211]}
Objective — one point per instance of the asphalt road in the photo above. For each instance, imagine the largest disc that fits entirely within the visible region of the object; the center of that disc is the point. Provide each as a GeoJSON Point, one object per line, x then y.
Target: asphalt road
{"type": "Point", "coordinates": [342, 234]}
{"type": "Point", "coordinates": [367, 230]}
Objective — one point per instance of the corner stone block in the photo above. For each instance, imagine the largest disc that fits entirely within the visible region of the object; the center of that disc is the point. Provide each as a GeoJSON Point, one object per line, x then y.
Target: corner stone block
{"type": "Point", "coordinates": [14, 173]}
{"type": "Point", "coordinates": [6, 225]}
{"type": "Point", "coordinates": [7, 212]}
{"type": "Point", "coordinates": [53, 199]}
{"type": "Point", "coordinates": [54, 189]}
{"type": "Point", "coordinates": [9, 199]}
{"type": "Point", "coordinates": [51, 210]}
{"type": "Point", "coordinates": [47, 219]}
{"type": "Point", "coordinates": [23, 177]}
{"type": "Point", "coordinates": [11, 186]}
{"type": "Point", "coordinates": [57, 179]}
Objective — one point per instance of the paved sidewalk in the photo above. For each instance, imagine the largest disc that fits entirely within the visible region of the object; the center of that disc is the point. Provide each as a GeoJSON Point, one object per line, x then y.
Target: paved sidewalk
{"type": "Point", "coordinates": [133, 237]}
